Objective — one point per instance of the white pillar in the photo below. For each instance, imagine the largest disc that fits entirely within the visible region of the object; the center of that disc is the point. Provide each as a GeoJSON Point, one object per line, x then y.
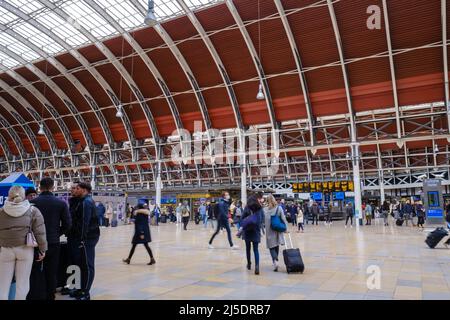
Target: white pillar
{"type": "Point", "coordinates": [357, 183]}
{"type": "Point", "coordinates": [244, 186]}
{"type": "Point", "coordinates": [93, 177]}
{"type": "Point", "coordinates": [158, 185]}
{"type": "Point", "coordinates": [382, 193]}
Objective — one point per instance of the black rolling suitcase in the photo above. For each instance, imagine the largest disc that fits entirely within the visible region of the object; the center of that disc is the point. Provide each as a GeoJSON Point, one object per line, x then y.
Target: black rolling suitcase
{"type": "Point", "coordinates": [163, 219]}
{"type": "Point", "coordinates": [399, 222]}
{"type": "Point", "coordinates": [292, 258]}
{"type": "Point", "coordinates": [64, 262]}
{"type": "Point", "coordinates": [434, 237]}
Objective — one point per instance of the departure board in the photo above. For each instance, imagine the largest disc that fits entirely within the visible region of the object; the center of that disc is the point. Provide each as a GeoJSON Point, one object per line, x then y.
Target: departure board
{"type": "Point", "coordinates": [327, 186]}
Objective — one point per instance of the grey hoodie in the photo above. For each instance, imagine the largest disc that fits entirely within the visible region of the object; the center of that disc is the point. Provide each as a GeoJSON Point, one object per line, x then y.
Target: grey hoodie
{"type": "Point", "coordinates": [15, 220]}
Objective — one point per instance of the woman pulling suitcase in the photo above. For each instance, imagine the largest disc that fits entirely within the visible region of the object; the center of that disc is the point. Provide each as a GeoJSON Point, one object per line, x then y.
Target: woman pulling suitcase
{"type": "Point", "coordinates": [141, 232]}
{"type": "Point", "coordinates": [274, 239]}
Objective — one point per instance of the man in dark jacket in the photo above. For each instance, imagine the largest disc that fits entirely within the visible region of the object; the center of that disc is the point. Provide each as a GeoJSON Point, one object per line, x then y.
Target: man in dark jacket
{"type": "Point", "coordinates": [222, 219]}
{"type": "Point", "coordinates": [57, 222]}
{"type": "Point", "coordinates": [407, 211]}
{"type": "Point", "coordinates": [315, 212]}
{"type": "Point", "coordinates": [84, 235]}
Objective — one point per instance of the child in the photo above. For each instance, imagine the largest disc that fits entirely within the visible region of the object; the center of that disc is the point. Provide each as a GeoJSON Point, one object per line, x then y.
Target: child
{"type": "Point", "coordinates": [300, 219]}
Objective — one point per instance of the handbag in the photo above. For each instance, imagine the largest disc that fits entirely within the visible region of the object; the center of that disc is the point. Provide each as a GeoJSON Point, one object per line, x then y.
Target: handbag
{"type": "Point", "coordinates": [277, 224]}
{"type": "Point", "coordinates": [30, 239]}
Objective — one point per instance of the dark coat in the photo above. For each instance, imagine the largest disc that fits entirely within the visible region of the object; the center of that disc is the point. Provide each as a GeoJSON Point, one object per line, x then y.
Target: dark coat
{"type": "Point", "coordinates": [85, 224]}
{"type": "Point", "coordinates": [223, 208]}
{"type": "Point", "coordinates": [253, 235]}
{"type": "Point", "coordinates": [56, 216]}
{"type": "Point", "coordinates": [101, 210]}
{"type": "Point", "coordinates": [141, 227]}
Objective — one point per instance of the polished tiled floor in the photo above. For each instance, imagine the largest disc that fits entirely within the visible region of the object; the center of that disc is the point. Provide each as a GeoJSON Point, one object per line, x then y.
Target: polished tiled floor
{"type": "Point", "coordinates": [336, 261]}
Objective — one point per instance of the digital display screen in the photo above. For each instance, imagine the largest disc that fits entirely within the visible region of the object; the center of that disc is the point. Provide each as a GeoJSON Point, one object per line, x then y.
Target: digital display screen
{"type": "Point", "coordinates": [433, 199]}
{"type": "Point", "coordinates": [434, 213]}
{"type": "Point", "coordinates": [339, 195]}
{"type": "Point", "coordinates": [317, 196]}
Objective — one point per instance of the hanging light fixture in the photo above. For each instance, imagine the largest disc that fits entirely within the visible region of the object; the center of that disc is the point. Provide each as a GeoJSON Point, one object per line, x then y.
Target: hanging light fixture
{"type": "Point", "coordinates": [436, 148]}
{"type": "Point", "coordinates": [260, 95]}
{"type": "Point", "coordinates": [41, 131]}
{"type": "Point", "coordinates": [150, 18]}
{"type": "Point", "coordinates": [119, 113]}
{"type": "Point", "coordinates": [347, 155]}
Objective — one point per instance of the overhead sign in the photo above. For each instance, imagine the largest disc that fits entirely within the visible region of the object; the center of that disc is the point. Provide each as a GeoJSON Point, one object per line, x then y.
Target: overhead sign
{"type": "Point", "coordinates": [327, 186]}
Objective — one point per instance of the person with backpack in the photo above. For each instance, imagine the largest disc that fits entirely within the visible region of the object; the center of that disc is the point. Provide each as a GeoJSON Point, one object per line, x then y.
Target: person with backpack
{"type": "Point", "coordinates": [221, 212]}
{"type": "Point", "coordinates": [252, 222]}
{"type": "Point", "coordinates": [141, 233]}
{"type": "Point", "coordinates": [274, 238]}
{"type": "Point", "coordinates": [185, 214]}
{"type": "Point", "coordinates": [238, 214]}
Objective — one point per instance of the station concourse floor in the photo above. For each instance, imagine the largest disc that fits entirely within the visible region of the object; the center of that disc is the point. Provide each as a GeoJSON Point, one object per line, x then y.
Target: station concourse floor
{"type": "Point", "coordinates": [336, 261]}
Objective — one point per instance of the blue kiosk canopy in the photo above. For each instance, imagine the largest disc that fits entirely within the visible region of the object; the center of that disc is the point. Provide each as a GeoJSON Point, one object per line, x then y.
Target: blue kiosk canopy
{"type": "Point", "coordinates": [16, 179]}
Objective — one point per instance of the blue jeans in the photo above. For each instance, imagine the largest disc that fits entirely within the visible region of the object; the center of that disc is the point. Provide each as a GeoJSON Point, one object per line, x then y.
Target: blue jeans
{"type": "Point", "coordinates": [205, 220]}
{"type": "Point", "coordinates": [248, 245]}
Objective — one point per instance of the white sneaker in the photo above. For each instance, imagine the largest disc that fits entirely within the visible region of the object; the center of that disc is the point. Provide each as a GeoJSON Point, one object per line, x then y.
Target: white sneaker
{"type": "Point", "coordinates": [346, 227]}
{"type": "Point", "coordinates": [235, 247]}
{"type": "Point", "coordinates": [351, 226]}
{"type": "Point", "coordinates": [210, 246]}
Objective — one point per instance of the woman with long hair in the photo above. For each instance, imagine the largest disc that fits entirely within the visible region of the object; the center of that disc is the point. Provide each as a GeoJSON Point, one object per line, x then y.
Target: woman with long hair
{"type": "Point", "coordinates": [251, 231]}
{"type": "Point", "coordinates": [274, 239]}
{"type": "Point", "coordinates": [22, 229]}
{"type": "Point", "coordinates": [141, 232]}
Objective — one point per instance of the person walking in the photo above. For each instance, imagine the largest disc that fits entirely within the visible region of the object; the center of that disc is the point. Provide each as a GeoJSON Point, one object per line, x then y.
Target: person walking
{"type": "Point", "coordinates": [238, 214]}
{"type": "Point", "coordinates": [211, 216]}
{"type": "Point", "coordinates": [385, 208]}
{"type": "Point", "coordinates": [22, 228]}
{"type": "Point", "coordinates": [141, 233]}
{"type": "Point", "coordinates": [420, 211]}
{"type": "Point", "coordinates": [57, 222]}
{"type": "Point", "coordinates": [300, 218]}
{"type": "Point", "coordinates": [315, 213]}
{"type": "Point", "coordinates": [222, 219]}
{"type": "Point", "coordinates": [293, 211]}
{"type": "Point", "coordinates": [178, 213]}
{"type": "Point", "coordinates": [251, 232]}
{"type": "Point", "coordinates": [407, 211]}
{"type": "Point", "coordinates": [274, 239]}
{"type": "Point", "coordinates": [349, 213]}
{"type": "Point", "coordinates": [156, 214]}
{"type": "Point", "coordinates": [109, 214]}
{"type": "Point", "coordinates": [185, 214]}
{"type": "Point", "coordinates": [203, 214]}
{"type": "Point", "coordinates": [368, 211]}
{"type": "Point", "coordinates": [84, 236]}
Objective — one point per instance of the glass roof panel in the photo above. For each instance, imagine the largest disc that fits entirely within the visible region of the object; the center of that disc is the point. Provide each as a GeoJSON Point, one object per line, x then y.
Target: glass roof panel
{"type": "Point", "coordinates": [128, 13]}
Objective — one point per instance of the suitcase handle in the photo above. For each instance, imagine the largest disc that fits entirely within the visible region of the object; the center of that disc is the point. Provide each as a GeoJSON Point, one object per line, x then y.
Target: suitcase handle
{"type": "Point", "coordinates": [290, 240]}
